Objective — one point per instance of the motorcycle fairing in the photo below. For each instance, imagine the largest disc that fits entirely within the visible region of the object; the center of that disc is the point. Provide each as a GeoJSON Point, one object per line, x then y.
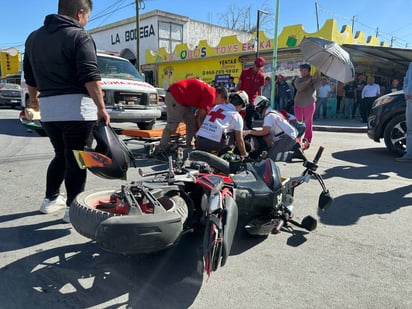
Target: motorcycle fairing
{"type": "Point", "coordinates": [214, 181]}
{"type": "Point", "coordinates": [253, 196]}
{"type": "Point", "coordinates": [251, 180]}
{"type": "Point", "coordinates": [230, 219]}
{"type": "Point", "coordinates": [269, 172]}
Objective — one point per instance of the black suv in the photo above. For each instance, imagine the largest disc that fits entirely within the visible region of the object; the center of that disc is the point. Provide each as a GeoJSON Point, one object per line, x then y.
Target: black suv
{"type": "Point", "coordinates": [387, 121]}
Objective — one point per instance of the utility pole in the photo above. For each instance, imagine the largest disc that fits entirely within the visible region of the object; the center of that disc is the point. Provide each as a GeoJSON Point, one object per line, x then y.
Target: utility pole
{"type": "Point", "coordinates": [317, 16]}
{"type": "Point", "coordinates": [353, 24]}
{"type": "Point", "coordinates": [392, 40]}
{"type": "Point", "coordinates": [377, 31]}
{"type": "Point", "coordinates": [257, 31]}
{"type": "Point", "coordinates": [137, 36]}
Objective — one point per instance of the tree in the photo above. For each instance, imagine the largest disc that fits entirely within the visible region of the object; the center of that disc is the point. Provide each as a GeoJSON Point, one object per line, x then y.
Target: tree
{"type": "Point", "coordinates": [245, 19]}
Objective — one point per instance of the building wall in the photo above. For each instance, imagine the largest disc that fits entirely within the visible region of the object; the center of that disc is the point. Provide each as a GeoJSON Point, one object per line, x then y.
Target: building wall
{"type": "Point", "coordinates": [119, 36]}
{"type": "Point", "coordinates": [10, 59]}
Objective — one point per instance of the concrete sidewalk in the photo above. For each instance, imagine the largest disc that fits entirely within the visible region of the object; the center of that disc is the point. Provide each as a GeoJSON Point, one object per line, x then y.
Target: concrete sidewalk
{"type": "Point", "coordinates": [340, 125]}
{"type": "Point", "coordinates": [333, 125]}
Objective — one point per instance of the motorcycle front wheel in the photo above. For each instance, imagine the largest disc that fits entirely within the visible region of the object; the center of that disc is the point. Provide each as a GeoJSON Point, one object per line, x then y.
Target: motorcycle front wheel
{"type": "Point", "coordinates": [131, 233]}
{"type": "Point", "coordinates": [212, 244]}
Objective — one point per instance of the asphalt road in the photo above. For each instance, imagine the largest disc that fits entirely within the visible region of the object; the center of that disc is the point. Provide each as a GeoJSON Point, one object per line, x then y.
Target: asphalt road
{"type": "Point", "coordinates": [359, 256]}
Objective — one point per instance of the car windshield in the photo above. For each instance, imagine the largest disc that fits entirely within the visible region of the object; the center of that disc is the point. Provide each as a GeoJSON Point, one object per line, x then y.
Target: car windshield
{"type": "Point", "coordinates": [118, 68]}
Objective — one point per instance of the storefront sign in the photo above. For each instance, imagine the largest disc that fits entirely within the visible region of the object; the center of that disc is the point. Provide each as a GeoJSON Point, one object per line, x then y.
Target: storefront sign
{"type": "Point", "coordinates": [204, 69]}
{"type": "Point", "coordinates": [131, 35]}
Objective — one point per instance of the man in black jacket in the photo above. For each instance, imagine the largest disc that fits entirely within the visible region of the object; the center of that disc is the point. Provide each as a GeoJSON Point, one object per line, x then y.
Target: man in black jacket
{"type": "Point", "coordinates": [60, 69]}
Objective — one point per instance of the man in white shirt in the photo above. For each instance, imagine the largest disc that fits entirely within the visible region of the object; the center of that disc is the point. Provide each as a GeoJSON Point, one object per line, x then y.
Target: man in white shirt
{"type": "Point", "coordinates": [369, 94]}
{"type": "Point", "coordinates": [222, 129]}
{"type": "Point", "coordinates": [322, 98]}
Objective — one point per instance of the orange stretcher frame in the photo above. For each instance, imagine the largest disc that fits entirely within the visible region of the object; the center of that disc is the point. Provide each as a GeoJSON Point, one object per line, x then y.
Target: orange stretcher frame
{"type": "Point", "coordinates": [153, 134]}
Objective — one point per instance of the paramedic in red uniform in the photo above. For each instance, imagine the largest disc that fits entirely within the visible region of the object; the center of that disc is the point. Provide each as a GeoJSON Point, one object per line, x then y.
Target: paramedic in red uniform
{"type": "Point", "coordinates": [181, 98]}
{"type": "Point", "coordinates": [251, 81]}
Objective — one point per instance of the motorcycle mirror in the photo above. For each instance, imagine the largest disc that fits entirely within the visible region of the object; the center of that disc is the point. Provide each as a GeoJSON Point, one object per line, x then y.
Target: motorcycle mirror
{"type": "Point", "coordinates": [325, 200]}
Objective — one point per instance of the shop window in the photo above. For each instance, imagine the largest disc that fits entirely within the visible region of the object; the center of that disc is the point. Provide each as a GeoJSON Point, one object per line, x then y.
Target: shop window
{"type": "Point", "coordinates": [170, 34]}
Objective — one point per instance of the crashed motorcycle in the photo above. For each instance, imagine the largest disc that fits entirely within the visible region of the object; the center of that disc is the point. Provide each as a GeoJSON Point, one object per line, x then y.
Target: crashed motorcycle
{"type": "Point", "coordinates": [210, 195]}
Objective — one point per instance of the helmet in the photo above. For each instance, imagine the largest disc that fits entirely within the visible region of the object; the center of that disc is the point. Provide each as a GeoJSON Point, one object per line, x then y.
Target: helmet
{"type": "Point", "coordinates": [109, 144]}
{"type": "Point", "coordinates": [239, 98]}
{"type": "Point", "coordinates": [260, 103]}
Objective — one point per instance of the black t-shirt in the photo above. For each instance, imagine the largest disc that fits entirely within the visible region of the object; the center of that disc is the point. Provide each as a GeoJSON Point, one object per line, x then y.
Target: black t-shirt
{"type": "Point", "coordinates": [349, 91]}
{"type": "Point", "coordinates": [359, 88]}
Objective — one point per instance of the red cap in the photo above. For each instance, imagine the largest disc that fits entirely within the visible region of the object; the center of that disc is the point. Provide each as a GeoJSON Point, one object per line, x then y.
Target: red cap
{"type": "Point", "coordinates": [260, 62]}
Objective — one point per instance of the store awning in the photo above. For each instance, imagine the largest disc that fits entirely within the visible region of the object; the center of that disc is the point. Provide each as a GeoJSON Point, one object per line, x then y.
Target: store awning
{"type": "Point", "coordinates": [384, 62]}
{"type": "Point", "coordinates": [380, 60]}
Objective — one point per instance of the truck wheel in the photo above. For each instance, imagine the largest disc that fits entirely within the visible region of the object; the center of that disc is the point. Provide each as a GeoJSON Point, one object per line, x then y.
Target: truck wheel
{"type": "Point", "coordinates": [146, 125]}
{"type": "Point", "coordinates": [395, 135]}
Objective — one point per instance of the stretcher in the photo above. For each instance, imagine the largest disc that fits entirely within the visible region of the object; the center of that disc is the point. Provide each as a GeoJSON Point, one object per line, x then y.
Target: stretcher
{"type": "Point", "coordinates": [152, 135]}
{"type": "Point", "coordinates": [151, 138]}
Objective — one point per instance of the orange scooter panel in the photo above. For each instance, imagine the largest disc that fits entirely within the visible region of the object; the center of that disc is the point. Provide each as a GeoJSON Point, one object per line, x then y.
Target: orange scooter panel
{"type": "Point", "coordinates": [154, 133]}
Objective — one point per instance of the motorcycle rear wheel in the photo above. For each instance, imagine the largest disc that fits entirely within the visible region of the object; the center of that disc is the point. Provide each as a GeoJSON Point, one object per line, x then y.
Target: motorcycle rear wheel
{"type": "Point", "coordinates": [127, 234]}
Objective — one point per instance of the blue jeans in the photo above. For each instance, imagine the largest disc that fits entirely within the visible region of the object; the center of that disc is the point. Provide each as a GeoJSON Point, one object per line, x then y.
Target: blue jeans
{"type": "Point", "coordinates": [66, 136]}
{"type": "Point", "coordinates": [408, 116]}
{"type": "Point", "coordinates": [283, 102]}
{"type": "Point", "coordinates": [321, 103]}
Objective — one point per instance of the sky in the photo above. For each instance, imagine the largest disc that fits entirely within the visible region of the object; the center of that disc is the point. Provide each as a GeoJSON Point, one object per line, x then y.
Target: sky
{"type": "Point", "coordinates": [390, 19]}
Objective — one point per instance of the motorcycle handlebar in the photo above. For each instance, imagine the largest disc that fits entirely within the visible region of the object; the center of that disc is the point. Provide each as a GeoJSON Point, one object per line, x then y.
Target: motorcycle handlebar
{"type": "Point", "coordinates": [318, 154]}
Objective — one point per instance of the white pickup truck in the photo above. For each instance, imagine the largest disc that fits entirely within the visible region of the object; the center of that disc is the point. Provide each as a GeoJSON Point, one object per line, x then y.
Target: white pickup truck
{"type": "Point", "coordinates": [127, 96]}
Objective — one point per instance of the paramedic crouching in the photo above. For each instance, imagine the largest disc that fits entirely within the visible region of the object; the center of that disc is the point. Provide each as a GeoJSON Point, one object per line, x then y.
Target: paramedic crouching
{"type": "Point", "coordinates": [222, 129]}
{"type": "Point", "coordinates": [277, 136]}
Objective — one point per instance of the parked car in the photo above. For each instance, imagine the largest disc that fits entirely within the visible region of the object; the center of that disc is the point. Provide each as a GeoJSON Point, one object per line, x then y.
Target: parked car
{"type": "Point", "coordinates": [162, 102]}
{"type": "Point", "coordinates": [127, 96]}
{"type": "Point", "coordinates": [10, 95]}
{"type": "Point", "coordinates": [387, 121]}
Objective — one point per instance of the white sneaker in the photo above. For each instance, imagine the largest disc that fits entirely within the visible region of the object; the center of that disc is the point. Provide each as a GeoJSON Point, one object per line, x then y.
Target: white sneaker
{"type": "Point", "coordinates": [49, 206]}
{"type": "Point", "coordinates": [66, 217]}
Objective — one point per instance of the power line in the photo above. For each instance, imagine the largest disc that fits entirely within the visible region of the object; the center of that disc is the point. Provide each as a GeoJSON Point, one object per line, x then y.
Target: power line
{"type": "Point", "coordinates": [116, 7]}
{"type": "Point", "coordinates": [391, 38]}
{"type": "Point", "coordinates": [107, 11]}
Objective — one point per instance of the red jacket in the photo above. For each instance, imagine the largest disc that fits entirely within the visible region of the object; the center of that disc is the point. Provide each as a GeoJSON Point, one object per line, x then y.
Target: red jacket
{"type": "Point", "coordinates": [251, 82]}
{"type": "Point", "coordinates": [193, 92]}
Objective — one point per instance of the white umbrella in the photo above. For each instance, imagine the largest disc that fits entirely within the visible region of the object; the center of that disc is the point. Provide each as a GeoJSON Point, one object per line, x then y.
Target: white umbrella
{"type": "Point", "coordinates": [331, 59]}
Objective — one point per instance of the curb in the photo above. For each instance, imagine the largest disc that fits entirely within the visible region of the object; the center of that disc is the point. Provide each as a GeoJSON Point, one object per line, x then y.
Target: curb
{"type": "Point", "coordinates": [340, 129]}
